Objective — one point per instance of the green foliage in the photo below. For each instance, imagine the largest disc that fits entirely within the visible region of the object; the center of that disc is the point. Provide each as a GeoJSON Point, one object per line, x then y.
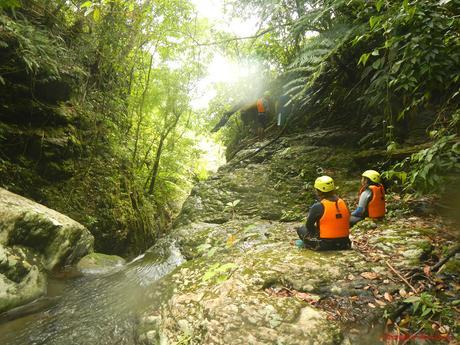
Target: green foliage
{"type": "Point", "coordinates": [130, 70]}
{"type": "Point", "coordinates": [291, 215]}
{"type": "Point", "coordinates": [377, 66]}
{"type": "Point", "coordinates": [418, 55]}
{"type": "Point", "coordinates": [431, 169]}
{"type": "Point", "coordinates": [219, 273]}
{"type": "Point", "coordinates": [207, 249]}
{"type": "Point", "coordinates": [9, 4]}
{"type": "Point", "coordinates": [40, 51]}
{"type": "Point", "coordinates": [231, 205]}
{"type": "Point", "coordinates": [430, 314]}
{"type": "Point", "coordinates": [425, 305]}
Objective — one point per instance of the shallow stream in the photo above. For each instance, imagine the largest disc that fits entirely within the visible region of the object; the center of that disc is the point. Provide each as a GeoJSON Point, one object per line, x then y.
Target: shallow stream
{"type": "Point", "coordinates": [103, 308]}
{"type": "Point", "coordinates": [91, 309]}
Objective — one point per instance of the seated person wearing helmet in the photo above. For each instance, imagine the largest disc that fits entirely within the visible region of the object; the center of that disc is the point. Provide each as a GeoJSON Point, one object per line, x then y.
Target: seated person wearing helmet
{"type": "Point", "coordinates": [327, 226]}
{"type": "Point", "coordinates": [371, 198]}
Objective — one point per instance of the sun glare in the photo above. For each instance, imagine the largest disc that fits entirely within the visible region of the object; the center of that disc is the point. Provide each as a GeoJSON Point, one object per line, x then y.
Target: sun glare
{"type": "Point", "coordinates": [245, 78]}
{"type": "Point", "coordinates": [224, 70]}
{"type": "Point", "coordinates": [221, 69]}
{"type": "Point", "coordinates": [213, 155]}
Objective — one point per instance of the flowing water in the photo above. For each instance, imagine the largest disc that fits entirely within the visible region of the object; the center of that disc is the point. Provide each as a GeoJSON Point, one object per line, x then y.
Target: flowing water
{"type": "Point", "coordinates": [93, 309]}
{"type": "Point", "coordinates": [102, 309]}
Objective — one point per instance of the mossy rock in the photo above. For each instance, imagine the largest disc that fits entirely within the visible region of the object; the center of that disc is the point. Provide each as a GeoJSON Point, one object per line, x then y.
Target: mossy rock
{"type": "Point", "coordinates": [21, 277]}
{"type": "Point", "coordinates": [452, 266]}
{"type": "Point", "coordinates": [97, 263]}
{"type": "Point", "coordinates": [61, 240]}
{"type": "Point", "coordinates": [219, 296]}
{"type": "Point", "coordinates": [245, 282]}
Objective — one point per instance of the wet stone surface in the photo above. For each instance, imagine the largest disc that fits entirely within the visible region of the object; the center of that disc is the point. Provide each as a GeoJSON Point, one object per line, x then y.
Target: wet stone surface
{"type": "Point", "coordinates": [245, 282]}
{"type": "Point", "coordinates": [33, 240]}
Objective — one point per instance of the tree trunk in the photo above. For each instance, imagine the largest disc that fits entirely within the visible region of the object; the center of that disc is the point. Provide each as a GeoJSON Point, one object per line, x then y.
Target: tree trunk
{"type": "Point", "coordinates": [141, 112]}
{"type": "Point", "coordinates": [156, 164]}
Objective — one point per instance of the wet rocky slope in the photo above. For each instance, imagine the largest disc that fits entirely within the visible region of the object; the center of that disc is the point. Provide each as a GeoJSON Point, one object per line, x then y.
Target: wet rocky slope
{"type": "Point", "coordinates": [246, 283]}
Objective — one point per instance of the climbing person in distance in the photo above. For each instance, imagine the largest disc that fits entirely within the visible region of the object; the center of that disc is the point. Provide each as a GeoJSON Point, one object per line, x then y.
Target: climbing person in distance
{"type": "Point", "coordinates": [263, 107]}
{"type": "Point", "coordinates": [371, 198]}
{"type": "Point", "coordinates": [328, 221]}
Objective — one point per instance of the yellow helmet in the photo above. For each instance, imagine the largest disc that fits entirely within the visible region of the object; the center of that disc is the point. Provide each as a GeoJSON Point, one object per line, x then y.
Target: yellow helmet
{"type": "Point", "coordinates": [372, 175]}
{"type": "Point", "coordinates": [324, 184]}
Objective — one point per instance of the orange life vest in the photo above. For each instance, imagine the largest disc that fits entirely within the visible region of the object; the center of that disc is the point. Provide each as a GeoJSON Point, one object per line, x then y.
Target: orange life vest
{"type": "Point", "coordinates": [376, 207]}
{"type": "Point", "coordinates": [335, 222]}
{"type": "Point", "coordinates": [260, 106]}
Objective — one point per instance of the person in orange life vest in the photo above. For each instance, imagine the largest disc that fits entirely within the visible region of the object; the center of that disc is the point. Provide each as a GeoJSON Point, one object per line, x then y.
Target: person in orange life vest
{"type": "Point", "coordinates": [371, 198]}
{"type": "Point", "coordinates": [263, 107]}
{"type": "Point", "coordinates": [328, 221]}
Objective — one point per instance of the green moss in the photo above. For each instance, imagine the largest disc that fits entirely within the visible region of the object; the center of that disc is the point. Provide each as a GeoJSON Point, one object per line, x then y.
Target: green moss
{"type": "Point", "coordinates": [98, 262]}
{"type": "Point", "coordinates": [33, 230]}
{"type": "Point", "coordinates": [390, 239]}
{"type": "Point", "coordinates": [452, 267]}
{"type": "Point", "coordinates": [427, 231]}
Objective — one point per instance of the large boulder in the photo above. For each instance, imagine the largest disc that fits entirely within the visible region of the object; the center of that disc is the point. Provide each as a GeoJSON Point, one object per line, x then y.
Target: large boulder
{"type": "Point", "coordinates": [34, 239]}
{"type": "Point", "coordinates": [21, 279]}
{"type": "Point", "coordinates": [60, 239]}
{"type": "Point", "coordinates": [269, 184]}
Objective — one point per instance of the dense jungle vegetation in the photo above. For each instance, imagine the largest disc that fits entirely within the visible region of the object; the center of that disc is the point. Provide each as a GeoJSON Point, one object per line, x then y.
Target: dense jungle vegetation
{"type": "Point", "coordinates": [389, 69]}
{"type": "Point", "coordinates": [96, 118]}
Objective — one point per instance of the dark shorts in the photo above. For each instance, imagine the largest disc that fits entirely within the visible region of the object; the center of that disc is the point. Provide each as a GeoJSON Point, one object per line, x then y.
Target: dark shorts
{"type": "Point", "coordinates": [313, 242]}
{"type": "Point", "coordinates": [262, 119]}
{"type": "Point", "coordinates": [334, 244]}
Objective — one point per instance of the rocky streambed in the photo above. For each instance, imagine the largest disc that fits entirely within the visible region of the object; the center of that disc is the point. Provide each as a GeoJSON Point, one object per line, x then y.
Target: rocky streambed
{"type": "Point", "coordinates": [246, 283]}
{"type": "Point", "coordinates": [229, 272]}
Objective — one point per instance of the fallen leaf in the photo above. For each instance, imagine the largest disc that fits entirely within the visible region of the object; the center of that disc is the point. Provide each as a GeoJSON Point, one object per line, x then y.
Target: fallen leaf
{"type": "Point", "coordinates": [427, 270]}
{"type": "Point", "coordinates": [386, 281]}
{"type": "Point", "coordinates": [369, 275]}
{"type": "Point", "coordinates": [307, 297]}
{"type": "Point", "coordinates": [367, 287]}
{"type": "Point", "coordinates": [404, 321]}
{"type": "Point", "coordinates": [371, 305]}
{"type": "Point", "coordinates": [283, 292]}
{"type": "Point", "coordinates": [379, 302]}
{"type": "Point", "coordinates": [231, 240]}
{"type": "Point", "coordinates": [376, 293]}
{"type": "Point", "coordinates": [402, 293]}
{"type": "Point", "coordinates": [444, 329]}
{"type": "Point", "coordinates": [354, 298]}
{"type": "Point", "coordinates": [351, 277]}
{"type": "Point", "coordinates": [388, 297]}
